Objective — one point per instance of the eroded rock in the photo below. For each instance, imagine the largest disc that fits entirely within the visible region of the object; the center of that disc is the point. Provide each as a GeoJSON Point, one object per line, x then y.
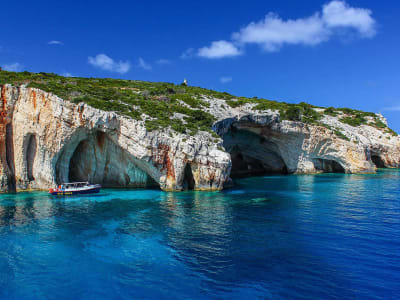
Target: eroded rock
{"type": "Point", "coordinates": [45, 140]}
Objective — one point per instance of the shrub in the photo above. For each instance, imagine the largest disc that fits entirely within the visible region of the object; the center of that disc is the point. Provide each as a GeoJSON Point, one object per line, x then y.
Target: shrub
{"type": "Point", "coordinates": [331, 111]}
{"type": "Point", "coordinates": [339, 134]}
{"type": "Point", "coordinates": [293, 113]}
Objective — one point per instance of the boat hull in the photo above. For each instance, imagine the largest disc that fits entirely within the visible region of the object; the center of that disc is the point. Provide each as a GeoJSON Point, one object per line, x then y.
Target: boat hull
{"type": "Point", "coordinates": [76, 192]}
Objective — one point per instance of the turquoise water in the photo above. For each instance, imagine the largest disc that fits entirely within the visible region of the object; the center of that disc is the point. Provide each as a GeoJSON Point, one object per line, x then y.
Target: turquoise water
{"type": "Point", "coordinates": [328, 236]}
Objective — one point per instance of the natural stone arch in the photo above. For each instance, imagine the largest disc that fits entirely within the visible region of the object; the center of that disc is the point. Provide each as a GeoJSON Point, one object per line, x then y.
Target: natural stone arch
{"type": "Point", "coordinates": [30, 155]}
{"type": "Point", "coordinates": [95, 157]}
{"type": "Point", "coordinates": [62, 160]}
{"type": "Point", "coordinates": [252, 154]}
{"type": "Point", "coordinates": [328, 166]}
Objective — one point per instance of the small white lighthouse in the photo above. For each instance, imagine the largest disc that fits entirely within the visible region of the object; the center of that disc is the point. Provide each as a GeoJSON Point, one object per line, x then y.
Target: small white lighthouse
{"type": "Point", "coordinates": [185, 82]}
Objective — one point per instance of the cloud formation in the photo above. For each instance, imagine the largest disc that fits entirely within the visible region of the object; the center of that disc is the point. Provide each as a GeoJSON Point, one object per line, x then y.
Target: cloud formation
{"type": "Point", "coordinates": [339, 14]}
{"type": "Point", "coordinates": [54, 42]}
{"type": "Point", "coordinates": [225, 79]}
{"type": "Point", "coordinates": [14, 67]}
{"type": "Point", "coordinates": [219, 49]}
{"type": "Point", "coordinates": [104, 62]}
{"type": "Point", "coordinates": [272, 33]}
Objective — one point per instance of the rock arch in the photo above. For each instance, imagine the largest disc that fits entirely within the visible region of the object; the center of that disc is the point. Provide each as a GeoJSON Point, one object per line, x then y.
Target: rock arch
{"type": "Point", "coordinates": [253, 154]}
{"type": "Point", "coordinates": [328, 166]}
{"type": "Point", "coordinates": [95, 157]}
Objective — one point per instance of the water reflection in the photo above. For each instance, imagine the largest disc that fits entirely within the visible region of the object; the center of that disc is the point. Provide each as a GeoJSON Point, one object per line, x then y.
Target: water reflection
{"type": "Point", "coordinates": [277, 236]}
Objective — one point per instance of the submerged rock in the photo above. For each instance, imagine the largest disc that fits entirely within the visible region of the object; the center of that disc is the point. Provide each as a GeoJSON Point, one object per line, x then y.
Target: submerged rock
{"type": "Point", "coordinates": [45, 140]}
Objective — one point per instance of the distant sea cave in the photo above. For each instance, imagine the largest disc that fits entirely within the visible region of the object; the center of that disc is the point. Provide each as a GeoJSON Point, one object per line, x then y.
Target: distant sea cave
{"type": "Point", "coordinates": [328, 166]}
{"type": "Point", "coordinates": [188, 180]}
{"type": "Point", "coordinates": [253, 155]}
{"type": "Point", "coordinates": [377, 160]}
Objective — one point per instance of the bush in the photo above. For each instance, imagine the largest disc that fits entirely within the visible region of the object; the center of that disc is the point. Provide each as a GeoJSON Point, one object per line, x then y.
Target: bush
{"type": "Point", "coordinates": [339, 134]}
{"type": "Point", "coordinates": [331, 111]}
{"type": "Point", "coordinates": [293, 113]}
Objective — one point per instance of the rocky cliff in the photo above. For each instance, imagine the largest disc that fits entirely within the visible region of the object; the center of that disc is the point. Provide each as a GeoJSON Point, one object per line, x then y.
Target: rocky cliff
{"type": "Point", "coordinates": [46, 140]}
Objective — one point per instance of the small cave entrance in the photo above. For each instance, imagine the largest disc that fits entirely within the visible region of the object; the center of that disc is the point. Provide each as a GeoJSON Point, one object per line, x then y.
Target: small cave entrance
{"type": "Point", "coordinates": [328, 166]}
{"type": "Point", "coordinates": [9, 143]}
{"type": "Point", "coordinates": [377, 160]}
{"type": "Point", "coordinates": [188, 179]}
{"type": "Point", "coordinates": [30, 155]}
{"type": "Point", "coordinates": [244, 165]}
{"type": "Point", "coordinates": [78, 169]}
{"type": "Point", "coordinates": [252, 154]}
{"type": "Point", "coordinates": [98, 159]}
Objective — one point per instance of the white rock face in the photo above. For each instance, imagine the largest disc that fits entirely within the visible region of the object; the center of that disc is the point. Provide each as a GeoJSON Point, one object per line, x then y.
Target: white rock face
{"type": "Point", "coordinates": [306, 148]}
{"type": "Point", "coordinates": [120, 150]}
{"type": "Point", "coordinates": [45, 140]}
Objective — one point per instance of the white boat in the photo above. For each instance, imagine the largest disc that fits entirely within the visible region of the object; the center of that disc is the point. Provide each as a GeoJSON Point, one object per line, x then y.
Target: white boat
{"type": "Point", "coordinates": [75, 188]}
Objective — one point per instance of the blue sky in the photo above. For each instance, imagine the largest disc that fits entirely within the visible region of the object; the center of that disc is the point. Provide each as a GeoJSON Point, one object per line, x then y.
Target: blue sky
{"type": "Point", "coordinates": [328, 53]}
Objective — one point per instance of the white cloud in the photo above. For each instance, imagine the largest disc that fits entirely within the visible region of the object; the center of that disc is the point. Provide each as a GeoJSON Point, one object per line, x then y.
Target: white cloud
{"type": "Point", "coordinates": [144, 65]}
{"type": "Point", "coordinates": [219, 49]}
{"type": "Point", "coordinates": [163, 61]}
{"type": "Point", "coordinates": [225, 79]}
{"type": "Point", "coordinates": [14, 67]}
{"type": "Point", "coordinates": [67, 74]}
{"type": "Point", "coordinates": [188, 53]}
{"type": "Point", "coordinates": [54, 42]}
{"type": "Point", "coordinates": [272, 33]}
{"type": "Point", "coordinates": [104, 62]}
{"type": "Point", "coordinates": [340, 14]}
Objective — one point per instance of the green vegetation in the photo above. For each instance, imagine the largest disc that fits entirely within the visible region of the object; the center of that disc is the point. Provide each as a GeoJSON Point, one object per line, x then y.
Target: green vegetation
{"type": "Point", "coordinates": [331, 111]}
{"type": "Point", "coordinates": [341, 135]}
{"type": "Point", "coordinates": [129, 97]}
{"type": "Point", "coordinates": [160, 101]}
{"type": "Point", "coordinates": [355, 121]}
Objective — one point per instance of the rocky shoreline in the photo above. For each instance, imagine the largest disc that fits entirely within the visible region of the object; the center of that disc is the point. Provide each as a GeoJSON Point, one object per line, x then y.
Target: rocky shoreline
{"type": "Point", "coordinates": [45, 140]}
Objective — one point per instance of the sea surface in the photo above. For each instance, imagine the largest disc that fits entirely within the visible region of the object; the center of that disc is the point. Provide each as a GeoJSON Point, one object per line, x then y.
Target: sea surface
{"type": "Point", "coordinates": [329, 236]}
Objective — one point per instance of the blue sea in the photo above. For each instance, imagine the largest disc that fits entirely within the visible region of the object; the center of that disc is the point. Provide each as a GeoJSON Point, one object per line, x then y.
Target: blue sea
{"type": "Point", "coordinates": [328, 236]}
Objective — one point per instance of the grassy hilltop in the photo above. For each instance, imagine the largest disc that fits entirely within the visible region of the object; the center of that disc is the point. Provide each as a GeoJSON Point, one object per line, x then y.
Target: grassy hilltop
{"type": "Point", "coordinates": [157, 102]}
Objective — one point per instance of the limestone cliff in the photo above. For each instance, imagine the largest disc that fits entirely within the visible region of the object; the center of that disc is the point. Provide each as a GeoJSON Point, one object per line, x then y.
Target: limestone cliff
{"type": "Point", "coordinates": [45, 140]}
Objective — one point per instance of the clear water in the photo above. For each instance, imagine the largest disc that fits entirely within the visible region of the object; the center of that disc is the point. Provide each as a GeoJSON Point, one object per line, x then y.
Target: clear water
{"type": "Point", "coordinates": [279, 237]}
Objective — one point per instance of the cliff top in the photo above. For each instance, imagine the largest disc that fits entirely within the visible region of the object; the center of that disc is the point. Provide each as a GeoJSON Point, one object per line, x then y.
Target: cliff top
{"type": "Point", "coordinates": [185, 109]}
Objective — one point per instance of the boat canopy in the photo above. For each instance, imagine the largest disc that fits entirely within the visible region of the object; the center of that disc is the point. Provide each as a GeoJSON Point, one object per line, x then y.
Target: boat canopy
{"type": "Point", "coordinates": [75, 184]}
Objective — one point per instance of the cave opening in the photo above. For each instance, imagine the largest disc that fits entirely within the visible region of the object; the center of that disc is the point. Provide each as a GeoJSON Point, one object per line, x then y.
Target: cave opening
{"type": "Point", "coordinates": [188, 179]}
{"type": "Point", "coordinates": [328, 166]}
{"type": "Point", "coordinates": [377, 160]}
{"type": "Point", "coordinates": [30, 156]}
{"type": "Point", "coordinates": [98, 159]}
{"type": "Point", "coordinates": [78, 168]}
{"type": "Point", "coordinates": [9, 144]}
{"type": "Point", "coordinates": [252, 154]}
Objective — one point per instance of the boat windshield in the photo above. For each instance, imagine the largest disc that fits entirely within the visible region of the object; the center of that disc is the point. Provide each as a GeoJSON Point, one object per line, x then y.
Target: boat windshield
{"type": "Point", "coordinates": [75, 184]}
